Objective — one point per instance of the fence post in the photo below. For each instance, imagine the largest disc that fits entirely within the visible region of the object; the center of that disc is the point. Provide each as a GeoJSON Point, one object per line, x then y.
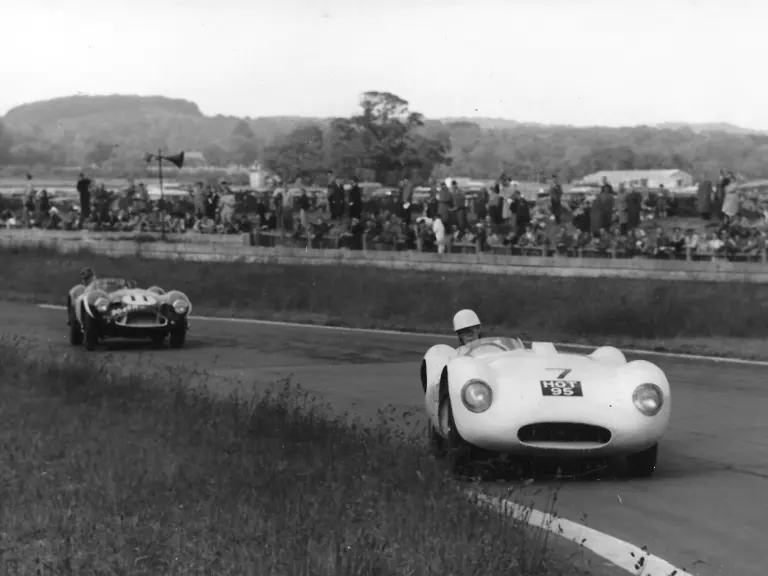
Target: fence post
{"type": "Point", "coordinates": [365, 241]}
{"type": "Point", "coordinates": [478, 246]}
{"type": "Point", "coordinates": [581, 252]}
{"type": "Point", "coordinates": [613, 250]}
{"type": "Point", "coordinates": [688, 253]}
{"type": "Point", "coordinates": [764, 255]}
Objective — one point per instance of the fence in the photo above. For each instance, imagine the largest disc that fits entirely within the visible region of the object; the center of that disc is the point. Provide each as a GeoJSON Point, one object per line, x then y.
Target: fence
{"type": "Point", "coordinates": [238, 249]}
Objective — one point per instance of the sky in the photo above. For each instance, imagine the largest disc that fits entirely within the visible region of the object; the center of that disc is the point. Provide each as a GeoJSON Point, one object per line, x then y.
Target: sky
{"type": "Point", "coordinates": [577, 62]}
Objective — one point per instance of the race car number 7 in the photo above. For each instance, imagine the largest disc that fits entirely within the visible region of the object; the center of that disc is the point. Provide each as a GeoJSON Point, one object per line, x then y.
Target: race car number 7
{"type": "Point", "coordinates": [563, 372]}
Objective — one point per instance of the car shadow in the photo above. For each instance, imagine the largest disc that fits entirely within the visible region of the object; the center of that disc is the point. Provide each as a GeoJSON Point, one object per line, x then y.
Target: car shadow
{"type": "Point", "coordinates": [547, 471]}
{"type": "Point", "coordinates": [127, 345]}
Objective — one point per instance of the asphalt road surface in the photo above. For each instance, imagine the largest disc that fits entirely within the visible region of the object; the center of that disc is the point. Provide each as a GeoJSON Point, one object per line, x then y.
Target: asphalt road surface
{"type": "Point", "coordinates": [704, 511]}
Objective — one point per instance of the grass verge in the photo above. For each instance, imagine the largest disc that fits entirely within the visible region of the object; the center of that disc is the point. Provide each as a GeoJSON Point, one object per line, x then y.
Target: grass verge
{"type": "Point", "coordinates": [105, 474]}
{"type": "Point", "coordinates": [706, 317]}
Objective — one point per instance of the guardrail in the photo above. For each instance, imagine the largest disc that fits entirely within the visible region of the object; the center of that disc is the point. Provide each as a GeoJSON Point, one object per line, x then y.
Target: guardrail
{"type": "Point", "coordinates": [237, 249]}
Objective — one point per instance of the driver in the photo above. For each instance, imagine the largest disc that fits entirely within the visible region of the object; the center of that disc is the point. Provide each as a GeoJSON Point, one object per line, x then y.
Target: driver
{"type": "Point", "coordinates": [467, 326]}
{"type": "Point", "coordinates": [87, 275]}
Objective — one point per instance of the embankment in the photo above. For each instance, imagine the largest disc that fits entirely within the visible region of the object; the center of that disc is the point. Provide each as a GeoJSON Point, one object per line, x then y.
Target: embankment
{"type": "Point", "coordinates": [695, 316]}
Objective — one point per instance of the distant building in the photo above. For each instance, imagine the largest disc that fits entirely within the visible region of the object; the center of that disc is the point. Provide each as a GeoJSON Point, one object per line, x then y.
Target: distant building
{"type": "Point", "coordinates": [195, 159]}
{"type": "Point", "coordinates": [671, 179]}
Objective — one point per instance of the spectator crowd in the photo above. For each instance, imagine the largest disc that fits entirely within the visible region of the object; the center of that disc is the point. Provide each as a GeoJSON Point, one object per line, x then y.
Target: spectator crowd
{"type": "Point", "coordinates": [440, 217]}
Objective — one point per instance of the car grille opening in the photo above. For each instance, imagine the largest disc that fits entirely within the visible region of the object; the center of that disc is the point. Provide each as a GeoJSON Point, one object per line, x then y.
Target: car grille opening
{"type": "Point", "coordinates": [142, 318]}
{"type": "Point", "coordinates": [564, 432]}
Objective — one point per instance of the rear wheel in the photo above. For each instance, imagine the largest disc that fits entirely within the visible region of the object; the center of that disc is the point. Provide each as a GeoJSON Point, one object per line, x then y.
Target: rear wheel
{"type": "Point", "coordinates": [75, 330]}
{"type": "Point", "coordinates": [158, 339]}
{"type": "Point", "coordinates": [643, 464]}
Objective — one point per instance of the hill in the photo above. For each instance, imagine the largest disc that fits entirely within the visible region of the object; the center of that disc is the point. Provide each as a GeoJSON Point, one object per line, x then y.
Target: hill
{"type": "Point", "coordinates": [115, 131]}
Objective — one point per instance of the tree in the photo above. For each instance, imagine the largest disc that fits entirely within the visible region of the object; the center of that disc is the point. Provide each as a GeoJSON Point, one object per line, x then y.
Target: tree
{"type": "Point", "coordinates": [298, 154]}
{"type": "Point", "coordinates": [244, 146]}
{"type": "Point", "coordinates": [384, 140]}
{"type": "Point", "coordinates": [99, 153]}
{"type": "Point", "coordinates": [216, 155]}
{"type": "Point", "coordinates": [6, 145]}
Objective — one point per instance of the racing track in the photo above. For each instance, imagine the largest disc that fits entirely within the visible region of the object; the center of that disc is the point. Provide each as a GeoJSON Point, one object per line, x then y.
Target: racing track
{"type": "Point", "coordinates": [705, 511]}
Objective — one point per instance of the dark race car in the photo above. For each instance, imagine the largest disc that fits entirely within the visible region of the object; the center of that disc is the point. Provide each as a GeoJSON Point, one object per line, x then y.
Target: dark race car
{"type": "Point", "coordinates": [116, 308]}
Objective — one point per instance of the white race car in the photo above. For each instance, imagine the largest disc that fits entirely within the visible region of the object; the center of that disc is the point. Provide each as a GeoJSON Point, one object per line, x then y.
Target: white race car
{"type": "Point", "coordinates": [495, 396]}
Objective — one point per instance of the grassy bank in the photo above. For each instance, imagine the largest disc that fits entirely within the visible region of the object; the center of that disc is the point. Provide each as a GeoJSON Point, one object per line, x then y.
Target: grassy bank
{"type": "Point", "coordinates": [111, 475]}
{"type": "Point", "coordinates": [584, 309]}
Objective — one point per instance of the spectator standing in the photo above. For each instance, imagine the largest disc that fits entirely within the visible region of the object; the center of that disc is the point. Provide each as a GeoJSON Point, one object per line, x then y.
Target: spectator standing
{"type": "Point", "coordinates": [227, 211]}
{"type": "Point", "coordinates": [304, 211]}
{"type": "Point", "coordinates": [730, 205]}
{"type": "Point", "coordinates": [606, 186]}
{"type": "Point", "coordinates": [432, 200]}
{"type": "Point", "coordinates": [704, 199]}
{"type": "Point", "coordinates": [444, 206]}
{"type": "Point", "coordinates": [722, 185]}
{"type": "Point", "coordinates": [355, 200]}
{"type": "Point", "coordinates": [277, 203]}
{"type": "Point", "coordinates": [596, 215]}
{"type": "Point", "coordinates": [335, 196]}
{"type": "Point", "coordinates": [438, 228]}
{"type": "Point", "coordinates": [84, 191]}
{"type": "Point", "coordinates": [556, 198]}
{"type": "Point", "coordinates": [198, 197]}
{"type": "Point", "coordinates": [622, 208]}
{"type": "Point", "coordinates": [606, 207]}
{"type": "Point", "coordinates": [518, 207]}
{"type": "Point", "coordinates": [495, 207]}
{"type": "Point", "coordinates": [459, 207]}
{"type": "Point", "coordinates": [634, 208]}
{"type": "Point", "coordinates": [43, 204]}
{"type": "Point", "coordinates": [29, 201]}
{"type": "Point", "coordinates": [663, 202]}
{"type": "Point", "coordinates": [406, 200]}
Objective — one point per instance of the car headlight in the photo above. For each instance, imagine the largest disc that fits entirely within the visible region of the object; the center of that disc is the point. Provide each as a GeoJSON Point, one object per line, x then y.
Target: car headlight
{"type": "Point", "coordinates": [648, 399]}
{"type": "Point", "coordinates": [477, 396]}
{"type": "Point", "coordinates": [180, 306]}
{"type": "Point", "coordinates": [101, 305]}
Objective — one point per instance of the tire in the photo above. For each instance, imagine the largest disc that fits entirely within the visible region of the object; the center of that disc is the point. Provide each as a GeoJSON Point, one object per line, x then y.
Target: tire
{"type": "Point", "coordinates": [462, 456]}
{"type": "Point", "coordinates": [177, 337]}
{"type": "Point", "coordinates": [75, 330]}
{"type": "Point", "coordinates": [643, 464]}
{"type": "Point", "coordinates": [90, 333]}
{"type": "Point", "coordinates": [437, 444]}
{"type": "Point", "coordinates": [158, 340]}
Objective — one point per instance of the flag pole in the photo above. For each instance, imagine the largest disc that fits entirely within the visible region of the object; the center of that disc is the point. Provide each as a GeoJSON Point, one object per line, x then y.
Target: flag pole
{"type": "Point", "coordinates": [162, 193]}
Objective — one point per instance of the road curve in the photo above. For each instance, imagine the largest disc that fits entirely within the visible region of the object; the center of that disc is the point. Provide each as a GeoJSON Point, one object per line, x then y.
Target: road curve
{"type": "Point", "coordinates": [704, 511]}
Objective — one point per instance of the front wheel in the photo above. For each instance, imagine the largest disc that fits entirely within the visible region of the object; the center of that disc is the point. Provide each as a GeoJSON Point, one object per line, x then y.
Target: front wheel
{"type": "Point", "coordinates": [90, 333]}
{"type": "Point", "coordinates": [462, 456]}
{"type": "Point", "coordinates": [643, 464]}
{"type": "Point", "coordinates": [158, 340]}
{"type": "Point", "coordinates": [178, 336]}
{"type": "Point", "coordinates": [75, 330]}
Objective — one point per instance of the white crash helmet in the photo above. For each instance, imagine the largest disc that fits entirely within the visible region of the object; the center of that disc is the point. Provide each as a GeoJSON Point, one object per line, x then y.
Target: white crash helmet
{"type": "Point", "coordinates": [464, 319]}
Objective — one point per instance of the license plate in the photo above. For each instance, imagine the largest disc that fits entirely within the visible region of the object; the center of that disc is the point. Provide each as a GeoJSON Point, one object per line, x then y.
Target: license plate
{"type": "Point", "coordinates": [561, 388]}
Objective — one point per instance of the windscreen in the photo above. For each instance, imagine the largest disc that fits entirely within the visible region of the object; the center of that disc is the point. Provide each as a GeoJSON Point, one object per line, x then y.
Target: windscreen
{"type": "Point", "coordinates": [113, 284]}
{"type": "Point", "coordinates": [484, 345]}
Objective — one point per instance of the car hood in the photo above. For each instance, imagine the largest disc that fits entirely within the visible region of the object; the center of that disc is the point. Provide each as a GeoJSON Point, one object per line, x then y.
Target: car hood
{"type": "Point", "coordinates": [523, 384]}
{"type": "Point", "coordinates": [527, 369]}
{"type": "Point", "coordinates": [137, 297]}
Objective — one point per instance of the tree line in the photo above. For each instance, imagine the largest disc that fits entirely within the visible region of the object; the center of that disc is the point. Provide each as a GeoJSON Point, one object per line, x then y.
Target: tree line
{"type": "Point", "coordinates": [384, 140]}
